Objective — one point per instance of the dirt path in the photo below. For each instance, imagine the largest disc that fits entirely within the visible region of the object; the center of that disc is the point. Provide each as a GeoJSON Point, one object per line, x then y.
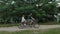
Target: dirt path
{"type": "Point", "coordinates": [15, 28]}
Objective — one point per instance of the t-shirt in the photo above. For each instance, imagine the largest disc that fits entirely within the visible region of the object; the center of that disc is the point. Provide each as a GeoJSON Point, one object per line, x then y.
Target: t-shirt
{"type": "Point", "coordinates": [23, 19]}
{"type": "Point", "coordinates": [29, 17]}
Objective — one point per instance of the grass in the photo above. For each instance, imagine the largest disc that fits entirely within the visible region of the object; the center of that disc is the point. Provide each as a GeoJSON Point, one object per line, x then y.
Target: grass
{"type": "Point", "coordinates": [50, 31]}
{"type": "Point", "coordinates": [8, 25]}
{"type": "Point", "coordinates": [47, 23]}
{"type": "Point", "coordinates": [50, 23]}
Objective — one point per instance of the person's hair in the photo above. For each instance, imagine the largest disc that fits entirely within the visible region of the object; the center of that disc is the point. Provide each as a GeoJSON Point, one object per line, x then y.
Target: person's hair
{"type": "Point", "coordinates": [23, 13]}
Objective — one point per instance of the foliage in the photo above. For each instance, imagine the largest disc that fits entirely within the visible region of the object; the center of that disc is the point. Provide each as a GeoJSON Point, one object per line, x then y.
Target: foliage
{"type": "Point", "coordinates": [12, 10]}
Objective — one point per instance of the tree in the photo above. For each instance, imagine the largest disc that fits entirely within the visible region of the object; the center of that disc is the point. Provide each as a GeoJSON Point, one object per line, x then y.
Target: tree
{"type": "Point", "coordinates": [12, 10]}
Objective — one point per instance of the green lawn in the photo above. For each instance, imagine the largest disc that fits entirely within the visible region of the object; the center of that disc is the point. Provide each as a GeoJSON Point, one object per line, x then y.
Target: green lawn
{"type": "Point", "coordinates": [50, 23]}
{"type": "Point", "coordinates": [47, 23]}
{"type": "Point", "coordinates": [50, 31]}
{"type": "Point", "coordinates": [8, 25]}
